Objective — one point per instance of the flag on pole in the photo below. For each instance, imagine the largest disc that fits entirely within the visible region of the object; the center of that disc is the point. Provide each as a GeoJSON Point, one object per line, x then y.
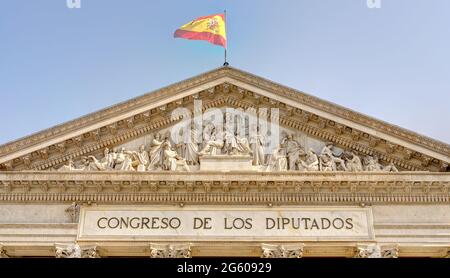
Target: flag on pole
{"type": "Point", "coordinates": [209, 28]}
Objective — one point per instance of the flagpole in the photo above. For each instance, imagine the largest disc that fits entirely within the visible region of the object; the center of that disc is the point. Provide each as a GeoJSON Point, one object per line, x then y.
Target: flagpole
{"type": "Point", "coordinates": [225, 16]}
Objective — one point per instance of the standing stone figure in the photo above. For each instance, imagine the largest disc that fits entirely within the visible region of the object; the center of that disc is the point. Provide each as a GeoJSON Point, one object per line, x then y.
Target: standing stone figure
{"type": "Point", "coordinates": [293, 151]}
{"type": "Point", "coordinates": [190, 149]}
{"type": "Point", "coordinates": [156, 153]}
{"type": "Point", "coordinates": [141, 158]}
{"type": "Point", "coordinates": [257, 142]}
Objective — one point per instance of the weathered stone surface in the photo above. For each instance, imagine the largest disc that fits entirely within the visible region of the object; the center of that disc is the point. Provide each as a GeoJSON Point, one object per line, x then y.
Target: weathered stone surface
{"type": "Point", "coordinates": [226, 163]}
{"type": "Point", "coordinates": [233, 224]}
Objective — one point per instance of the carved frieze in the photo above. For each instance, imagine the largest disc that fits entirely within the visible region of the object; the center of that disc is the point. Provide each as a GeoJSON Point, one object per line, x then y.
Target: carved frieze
{"type": "Point", "coordinates": [291, 187]}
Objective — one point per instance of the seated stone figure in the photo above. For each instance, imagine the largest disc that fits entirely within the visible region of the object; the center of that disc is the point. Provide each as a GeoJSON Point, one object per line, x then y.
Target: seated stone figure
{"type": "Point", "coordinates": [243, 147]}
{"type": "Point", "coordinates": [172, 161]}
{"type": "Point", "coordinates": [123, 161]}
{"type": "Point", "coordinates": [371, 164]}
{"type": "Point", "coordinates": [235, 145]}
{"type": "Point", "coordinates": [230, 143]}
{"type": "Point", "coordinates": [353, 162]}
{"type": "Point", "coordinates": [105, 163]}
{"type": "Point", "coordinates": [339, 162]}
{"type": "Point", "coordinates": [212, 146]}
{"type": "Point", "coordinates": [390, 168]}
{"type": "Point", "coordinates": [326, 163]}
{"type": "Point", "coordinates": [311, 163]}
{"type": "Point", "coordinates": [69, 166]}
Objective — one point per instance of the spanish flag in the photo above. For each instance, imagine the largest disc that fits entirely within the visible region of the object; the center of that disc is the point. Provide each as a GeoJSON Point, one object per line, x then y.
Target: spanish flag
{"type": "Point", "coordinates": [209, 28]}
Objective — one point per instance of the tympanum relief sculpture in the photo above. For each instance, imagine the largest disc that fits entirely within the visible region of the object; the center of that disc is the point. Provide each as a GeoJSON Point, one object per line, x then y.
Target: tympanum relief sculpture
{"type": "Point", "coordinates": [162, 155]}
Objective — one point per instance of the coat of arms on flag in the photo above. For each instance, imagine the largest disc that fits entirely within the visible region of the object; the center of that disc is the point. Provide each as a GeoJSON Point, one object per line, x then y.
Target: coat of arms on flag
{"type": "Point", "coordinates": [210, 28]}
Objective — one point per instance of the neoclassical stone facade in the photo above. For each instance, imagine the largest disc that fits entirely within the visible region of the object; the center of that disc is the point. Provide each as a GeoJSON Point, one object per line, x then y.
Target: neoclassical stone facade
{"type": "Point", "coordinates": [225, 164]}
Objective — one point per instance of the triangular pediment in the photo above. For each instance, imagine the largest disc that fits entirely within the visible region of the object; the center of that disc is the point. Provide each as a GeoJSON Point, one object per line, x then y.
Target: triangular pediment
{"type": "Point", "coordinates": [142, 117]}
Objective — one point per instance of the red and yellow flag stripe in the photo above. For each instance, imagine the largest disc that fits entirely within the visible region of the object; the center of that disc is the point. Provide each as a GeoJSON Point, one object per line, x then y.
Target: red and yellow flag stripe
{"type": "Point", "coordinates": [210, 28]}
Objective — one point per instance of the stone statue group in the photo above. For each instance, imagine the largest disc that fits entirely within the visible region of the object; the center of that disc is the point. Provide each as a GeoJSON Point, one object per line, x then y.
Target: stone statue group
{"type": "Point", "coordinates": [291, 156]}
{"type": "Point", "coordinates": [161, 156]}
{"type": "Point", "coordinates": [288, 156]}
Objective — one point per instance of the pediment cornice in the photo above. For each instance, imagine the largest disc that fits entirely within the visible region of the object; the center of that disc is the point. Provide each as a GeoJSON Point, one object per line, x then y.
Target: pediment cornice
{"type": "Point", "coordinates": [309, 114]}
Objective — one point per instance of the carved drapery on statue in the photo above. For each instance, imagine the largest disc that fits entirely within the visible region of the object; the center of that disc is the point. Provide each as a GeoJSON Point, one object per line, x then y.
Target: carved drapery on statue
{"type": "Point", "coordinates": [189, 150]}
{"type": "Point", "coordinates": [257, 143]}
{"type": "Point", "coordinates": [212, 144]}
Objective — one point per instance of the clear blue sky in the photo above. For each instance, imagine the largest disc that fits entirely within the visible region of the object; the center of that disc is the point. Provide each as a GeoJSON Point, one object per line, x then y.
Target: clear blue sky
{"type": "Point", "coordinates": [392, 63]}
